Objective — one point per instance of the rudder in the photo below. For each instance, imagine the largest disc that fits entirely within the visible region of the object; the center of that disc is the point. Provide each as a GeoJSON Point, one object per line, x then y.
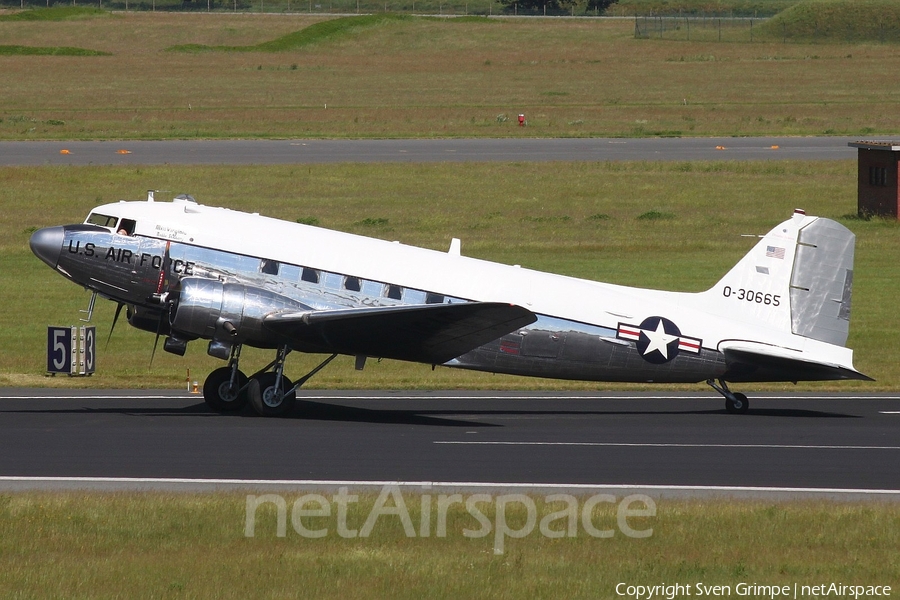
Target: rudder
{"type": "Point", "coordinates": [822, 282]}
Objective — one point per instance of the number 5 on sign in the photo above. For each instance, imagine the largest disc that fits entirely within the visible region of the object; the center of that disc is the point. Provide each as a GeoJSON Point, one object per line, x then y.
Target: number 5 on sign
{"type": "Point", "coordinates": [62, 349]}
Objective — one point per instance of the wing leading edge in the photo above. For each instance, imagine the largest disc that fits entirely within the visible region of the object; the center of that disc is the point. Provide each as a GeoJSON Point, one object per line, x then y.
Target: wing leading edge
{"type": "Point", "coordinates": [428, 333]}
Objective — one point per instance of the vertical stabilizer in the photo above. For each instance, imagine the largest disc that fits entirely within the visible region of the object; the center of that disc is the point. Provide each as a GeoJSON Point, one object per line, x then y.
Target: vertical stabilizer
{"type": "Point", "coordinates": [798, 278]}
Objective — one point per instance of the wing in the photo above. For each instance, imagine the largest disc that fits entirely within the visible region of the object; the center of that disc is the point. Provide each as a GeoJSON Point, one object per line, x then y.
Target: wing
{"type": "Point", "coordinates": [757, 362]}
{"type": "Point", "coordinates": [428, 333]}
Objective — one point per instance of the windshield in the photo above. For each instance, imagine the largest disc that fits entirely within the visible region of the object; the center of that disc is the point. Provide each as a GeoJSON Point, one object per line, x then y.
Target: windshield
{"type": "Point", "coordinates": [101, 220]}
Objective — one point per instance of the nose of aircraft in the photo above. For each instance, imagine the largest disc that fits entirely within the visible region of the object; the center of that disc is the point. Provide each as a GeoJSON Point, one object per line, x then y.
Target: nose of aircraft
{"type": "Point", "coordinates": [47, 244]}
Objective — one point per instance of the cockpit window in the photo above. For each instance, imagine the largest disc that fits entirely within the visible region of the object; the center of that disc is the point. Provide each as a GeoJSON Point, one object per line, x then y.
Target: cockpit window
{"type": "Point", "coordinates": [101, 220]}
{"type": "Point", "coordinates": [126, 227]}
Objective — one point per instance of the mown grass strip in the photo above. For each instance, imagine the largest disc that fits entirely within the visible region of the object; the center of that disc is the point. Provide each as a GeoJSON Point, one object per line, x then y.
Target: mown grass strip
{"type": "Point", "coordinates": [324, 31]}
{"type": "Point", "coordinates": [56, 13]}
{"type": "Point", "coordinates": [49, 51]}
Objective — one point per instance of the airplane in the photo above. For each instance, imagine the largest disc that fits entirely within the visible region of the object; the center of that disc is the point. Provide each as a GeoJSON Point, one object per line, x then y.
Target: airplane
{"type": "Point", "coordinates": [188, 271]}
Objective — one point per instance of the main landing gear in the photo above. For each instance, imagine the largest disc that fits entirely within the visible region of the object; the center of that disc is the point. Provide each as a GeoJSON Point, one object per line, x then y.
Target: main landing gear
{"type": "Point", "coordinates": [269, 391]}
{"type": "Point", "coordinates": [735, 403]}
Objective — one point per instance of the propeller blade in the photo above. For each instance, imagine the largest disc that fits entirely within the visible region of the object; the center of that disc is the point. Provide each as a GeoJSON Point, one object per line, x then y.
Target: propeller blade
{"type": "Point", "coordinates": [115, 320]}
{"type": "Point", "coordinates": [153, 354]}
{"type": "Point", "coordinates": [159, 325]}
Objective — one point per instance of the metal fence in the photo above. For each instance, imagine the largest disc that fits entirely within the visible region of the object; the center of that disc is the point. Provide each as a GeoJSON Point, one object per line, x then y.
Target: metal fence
{"type": "Point", "coordinates": [728, 29]}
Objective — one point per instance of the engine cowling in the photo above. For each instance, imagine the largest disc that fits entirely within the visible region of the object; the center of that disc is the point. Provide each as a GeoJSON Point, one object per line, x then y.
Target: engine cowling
{"type": "Point", "coordinates": [146, 319]}
{"type": "Point", "coordinates": [230, 313]}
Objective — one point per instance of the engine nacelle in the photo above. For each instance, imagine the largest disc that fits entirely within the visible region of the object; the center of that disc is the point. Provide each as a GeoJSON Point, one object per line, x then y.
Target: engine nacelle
{"type": "Point", "coordinates": [146, 319]}
{"type": "Point", "coordinates": [227, 313]}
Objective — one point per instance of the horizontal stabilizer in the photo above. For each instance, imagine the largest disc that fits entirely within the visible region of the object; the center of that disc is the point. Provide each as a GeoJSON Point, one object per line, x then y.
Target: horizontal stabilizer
{"type": "Point", "coordinates": [749, 361]}
{"type": "Point", "coordinates": [427, 333]}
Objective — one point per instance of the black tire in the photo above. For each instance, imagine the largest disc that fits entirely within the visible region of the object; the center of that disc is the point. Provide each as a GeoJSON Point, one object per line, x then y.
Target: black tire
{"type": "Point", "coordinates": [220, 395]}
{"type": "Point", "coordinates": [739, 405]}
{"type": "Point", "coordinates": [272, 402]}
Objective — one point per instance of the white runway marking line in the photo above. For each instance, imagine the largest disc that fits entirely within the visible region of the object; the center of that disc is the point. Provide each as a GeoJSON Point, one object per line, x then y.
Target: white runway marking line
{"type": "Point", "coordinates": [426, 485]}
{"type": "Point", "coordinates": [665, 445]}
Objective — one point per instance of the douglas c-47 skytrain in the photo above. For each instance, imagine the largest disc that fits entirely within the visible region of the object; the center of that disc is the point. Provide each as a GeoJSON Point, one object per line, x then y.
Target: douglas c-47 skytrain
{"type": "Point", "coordinates": [190, 272]}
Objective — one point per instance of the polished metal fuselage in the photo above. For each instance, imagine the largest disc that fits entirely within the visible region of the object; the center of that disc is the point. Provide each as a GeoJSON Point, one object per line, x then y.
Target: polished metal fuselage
{"type": "Point", "coordinates": [140, 270]}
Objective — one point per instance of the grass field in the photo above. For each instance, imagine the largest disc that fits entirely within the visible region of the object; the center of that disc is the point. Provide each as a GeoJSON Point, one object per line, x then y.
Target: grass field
{"type": "Point", "coordinates": [127, 545]}
{"type": "Point", "coordinates": [579, 219]}
{"type": "Point", "coordinates": [421, 77]}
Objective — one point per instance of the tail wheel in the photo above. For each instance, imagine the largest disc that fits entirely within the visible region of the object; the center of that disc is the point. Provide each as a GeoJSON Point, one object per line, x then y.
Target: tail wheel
{"type": "Point", "coordinates": [223, 396]}
{"type": "Point", "coordinates": [737, 404]}
{"type": "Point", "coordinates": [272, 401]}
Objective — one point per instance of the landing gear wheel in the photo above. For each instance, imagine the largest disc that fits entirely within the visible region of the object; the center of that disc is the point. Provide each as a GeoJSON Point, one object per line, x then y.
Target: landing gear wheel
{"type": "Point", "coordinates": [738, 404]}
{"type": "Point", "coordinates": [272, 401]}
{"type": "Point", "coordinates": [220, 395]}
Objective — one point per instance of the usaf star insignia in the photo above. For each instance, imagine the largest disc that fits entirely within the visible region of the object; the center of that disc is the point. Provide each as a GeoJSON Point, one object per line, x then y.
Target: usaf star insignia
{"type": "Point", "coordinates": [658, 340]}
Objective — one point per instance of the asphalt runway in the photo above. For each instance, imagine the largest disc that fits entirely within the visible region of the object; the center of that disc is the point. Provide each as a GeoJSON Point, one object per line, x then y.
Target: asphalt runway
{"type": "Point", "coordinates": [464, 439]}
{"type": "Point", "coordinates": [271, 152]}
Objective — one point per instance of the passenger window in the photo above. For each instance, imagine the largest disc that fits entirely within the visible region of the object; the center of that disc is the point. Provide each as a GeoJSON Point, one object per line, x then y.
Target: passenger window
{"type": "Point", "coordinates": [434, 298]}
{"type": "Point", "coordinates": [352, 284]}
{"type": "Point", "coordinates": [395, 292]}
{"type": "Point", "coordinates": [310, 275]}
{"type": "Point", "coordinates": [269, 267]}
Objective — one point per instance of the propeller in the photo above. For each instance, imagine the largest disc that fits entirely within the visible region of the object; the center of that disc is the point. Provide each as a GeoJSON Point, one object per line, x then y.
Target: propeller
{"type": "Point", "coordinates": [115, 320]}
{"type": "Point", "coordinates": [156, 341]}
